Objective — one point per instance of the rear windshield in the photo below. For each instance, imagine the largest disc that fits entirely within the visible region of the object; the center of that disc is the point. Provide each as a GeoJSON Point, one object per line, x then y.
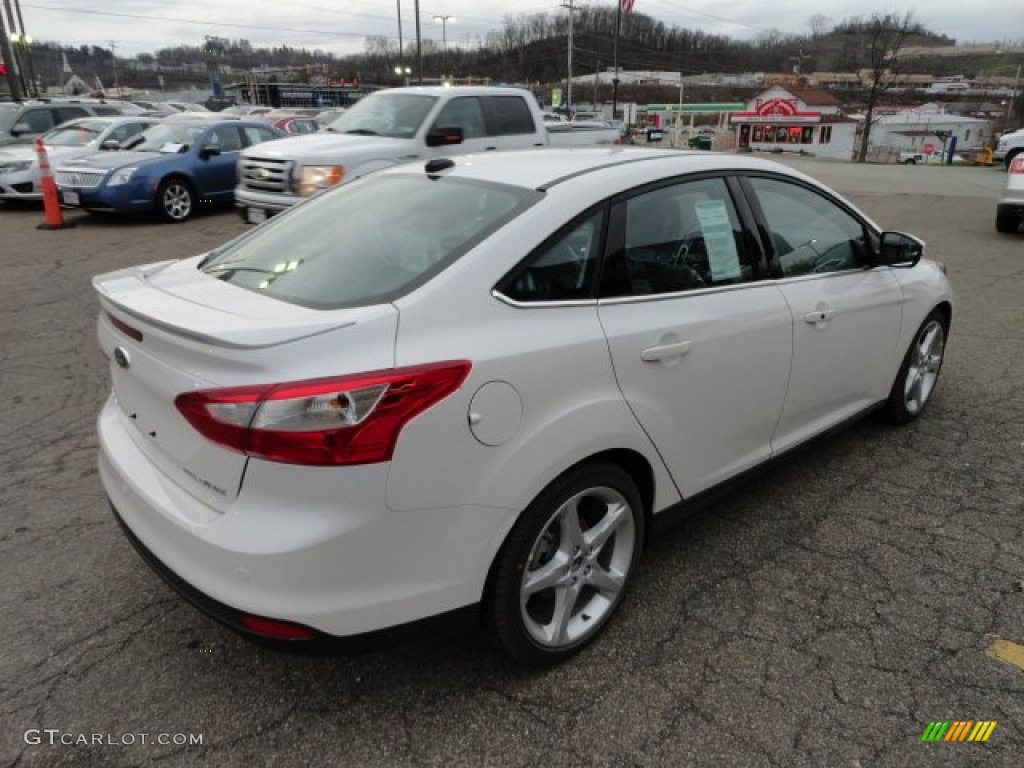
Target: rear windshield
{"type": "Point", "coordinates": [369, 241]}
{"type": "Point", "coordinates": [76, 134]}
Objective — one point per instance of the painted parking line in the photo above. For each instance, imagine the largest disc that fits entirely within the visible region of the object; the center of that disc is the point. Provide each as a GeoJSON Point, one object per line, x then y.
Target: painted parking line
{"type": "Point", "coordinates": [1004, 650]}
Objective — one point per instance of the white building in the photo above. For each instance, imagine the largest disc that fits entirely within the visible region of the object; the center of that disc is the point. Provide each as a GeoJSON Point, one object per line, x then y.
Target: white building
{"type": "Point", "coordinates": [928, 126]}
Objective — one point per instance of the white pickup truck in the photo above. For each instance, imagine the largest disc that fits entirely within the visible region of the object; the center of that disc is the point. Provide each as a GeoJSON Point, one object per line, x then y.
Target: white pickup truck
{"type": "Point", "coordinates": [1009, 146]}
{"type": "Point", "coordinates": [397, 126]}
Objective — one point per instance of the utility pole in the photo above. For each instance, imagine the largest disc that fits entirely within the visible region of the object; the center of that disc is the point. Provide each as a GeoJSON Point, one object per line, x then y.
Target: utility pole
{"type": "Point", "coordinates": [25, 41]}
{"type": "Point", "coordinates": [400, 53]}
{"type": "Point", "coordinates": [15, 73]}
{"type": "Point", "coordinates": [1013, 97]}
{"type": "Point", "coordinates": [113, 59]}
{"type": "Point", "coordinates": [615, 58]}
{"type": "Point", "coordinates": [568, 82]}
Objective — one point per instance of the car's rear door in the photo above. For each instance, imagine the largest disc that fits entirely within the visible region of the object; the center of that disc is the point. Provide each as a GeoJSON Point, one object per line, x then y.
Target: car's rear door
{"type": "Point", "coordinates": [700, 345]}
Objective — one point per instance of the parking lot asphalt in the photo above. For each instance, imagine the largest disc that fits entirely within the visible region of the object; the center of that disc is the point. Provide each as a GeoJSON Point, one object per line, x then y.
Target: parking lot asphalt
{"type": "Point", "coordinates": [823, 615]}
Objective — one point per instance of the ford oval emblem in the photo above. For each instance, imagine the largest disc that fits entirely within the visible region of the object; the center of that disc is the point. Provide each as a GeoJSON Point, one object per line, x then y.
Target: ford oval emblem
{"type": "Point", "coordinates": [121, 357]}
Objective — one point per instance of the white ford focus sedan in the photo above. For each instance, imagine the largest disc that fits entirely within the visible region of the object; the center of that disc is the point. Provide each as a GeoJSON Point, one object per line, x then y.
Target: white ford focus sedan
{"type": "Point", "coordinates": [481, 382]}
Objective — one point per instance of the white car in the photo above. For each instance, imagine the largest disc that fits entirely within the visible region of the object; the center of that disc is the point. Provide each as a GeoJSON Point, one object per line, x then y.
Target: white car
{"type": "Point", "coordinates": [1010, 208]}
{"type": "Point", "coordinates": [484, 381]}
{"type": "Point", "coordinates": [19, 166]}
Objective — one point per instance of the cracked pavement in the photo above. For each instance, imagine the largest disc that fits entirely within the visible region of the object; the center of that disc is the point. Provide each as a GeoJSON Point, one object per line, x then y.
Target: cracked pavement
{"type": "Point", "coordinates": [822, 615]}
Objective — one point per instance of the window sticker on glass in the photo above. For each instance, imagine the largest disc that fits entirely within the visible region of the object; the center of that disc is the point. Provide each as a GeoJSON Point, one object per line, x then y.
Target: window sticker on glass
{"type": "Point", "coordinates": [171, 148]}
{"type": "Point", "coordinates": [723, 258]}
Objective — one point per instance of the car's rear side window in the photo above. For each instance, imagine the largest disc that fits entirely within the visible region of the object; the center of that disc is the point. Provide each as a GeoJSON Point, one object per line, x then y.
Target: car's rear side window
{"type": "Point", "coordinates": [510, 115]}
{"type": "Point", "coordinates": [370, 241]}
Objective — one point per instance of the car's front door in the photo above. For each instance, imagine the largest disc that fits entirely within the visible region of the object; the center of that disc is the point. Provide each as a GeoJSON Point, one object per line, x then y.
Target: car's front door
{"type": "Point", "coordinates": [846, 314]}
{"type": "Point", "coordinates": [216, 173]}
{"type": "Point", "coordinates": [701, 348]}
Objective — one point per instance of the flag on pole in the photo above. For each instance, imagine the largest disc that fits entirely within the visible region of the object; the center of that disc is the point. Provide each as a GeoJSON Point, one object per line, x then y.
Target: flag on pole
{"type": "Point", "coordinates": [626, 5]}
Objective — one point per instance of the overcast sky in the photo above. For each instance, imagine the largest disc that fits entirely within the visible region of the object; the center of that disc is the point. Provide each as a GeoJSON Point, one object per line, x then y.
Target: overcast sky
{"type": "Point", "coordinates": [340, 26]}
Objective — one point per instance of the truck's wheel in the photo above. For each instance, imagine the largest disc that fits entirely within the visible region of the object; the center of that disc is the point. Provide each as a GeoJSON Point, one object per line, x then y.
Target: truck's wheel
{"type": "Point", "coordinates": [1009, 158]}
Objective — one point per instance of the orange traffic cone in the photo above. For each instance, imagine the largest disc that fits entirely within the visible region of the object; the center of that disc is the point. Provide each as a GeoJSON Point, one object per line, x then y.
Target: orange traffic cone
{"type": "Point", "coordinates": [51, 205]}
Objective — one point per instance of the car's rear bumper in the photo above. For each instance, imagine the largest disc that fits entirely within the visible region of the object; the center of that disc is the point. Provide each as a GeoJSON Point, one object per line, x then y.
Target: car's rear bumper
{"type": "Point", "coordinates": [316, 547]}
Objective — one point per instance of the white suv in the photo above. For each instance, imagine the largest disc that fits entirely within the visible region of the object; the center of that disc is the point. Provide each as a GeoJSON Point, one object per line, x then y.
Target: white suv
{"type": "Point", "coordinates": [21, 122]}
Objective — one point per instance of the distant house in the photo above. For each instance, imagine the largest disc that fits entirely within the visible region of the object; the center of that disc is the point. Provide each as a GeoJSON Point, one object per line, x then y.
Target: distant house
{"type": "Point", "coordinates": [72, 85]}
{"type": "Point", "coordinates": [793, 120]}
{"type": "Point", "coordinates": [914, 129]}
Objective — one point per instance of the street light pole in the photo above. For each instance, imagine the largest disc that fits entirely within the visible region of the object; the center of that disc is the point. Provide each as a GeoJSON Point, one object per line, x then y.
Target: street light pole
{"type": "Point", "coordinates": [419, 46]}
{"type": "Point", "coordinates": [444, 41]}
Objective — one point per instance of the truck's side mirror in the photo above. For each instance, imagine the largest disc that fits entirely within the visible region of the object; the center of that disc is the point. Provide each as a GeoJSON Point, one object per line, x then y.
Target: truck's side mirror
{"type": "Point", "coordinates": [444, 136]}
{"type": "Point", "coordinates": [110, 144]}
{"type": "Point", "coordinates": [897, 249]}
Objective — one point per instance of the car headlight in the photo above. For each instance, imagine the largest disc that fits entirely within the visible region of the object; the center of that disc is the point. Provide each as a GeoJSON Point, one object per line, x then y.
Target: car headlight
{"type": "Point", "coordinates": [121, 176]}
{"type": "Point", "coordinates": [313, 178]}
{"type": "Point", "coordinates": [15, 167]}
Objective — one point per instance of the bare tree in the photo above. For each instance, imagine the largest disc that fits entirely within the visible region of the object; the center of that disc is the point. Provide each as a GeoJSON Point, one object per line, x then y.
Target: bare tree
{"type": "Point", "coordinates": [884, 36]}
{"type": "Point", "coordinates": [819, 24]}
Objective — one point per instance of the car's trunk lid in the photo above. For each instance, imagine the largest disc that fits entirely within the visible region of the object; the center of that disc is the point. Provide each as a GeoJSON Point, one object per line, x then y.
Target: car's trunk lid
{"type": "Point", "coordinates": [168, 329]}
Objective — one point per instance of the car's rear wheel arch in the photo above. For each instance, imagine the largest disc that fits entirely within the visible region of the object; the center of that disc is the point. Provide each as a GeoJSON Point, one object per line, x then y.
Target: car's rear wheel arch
{"type": "Point", "coordinates": [568, 560]}
{"type": "Point", "coordinates": [633, 463]}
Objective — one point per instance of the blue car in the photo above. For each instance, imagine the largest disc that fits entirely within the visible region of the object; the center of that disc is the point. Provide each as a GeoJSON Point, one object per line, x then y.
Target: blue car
{"type": "Point", "coordinates": [170, 169]}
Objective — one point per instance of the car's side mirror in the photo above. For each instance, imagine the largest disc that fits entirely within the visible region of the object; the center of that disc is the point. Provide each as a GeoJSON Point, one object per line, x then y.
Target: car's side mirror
{"type": "Point", "coordinates": [20, 128]}
{"type": "Point", "coordinates": [897, 249]}
{"type": "Point", "coordinates": [111, 144]}
{"type": "Point", "coordinates": [445, 136]}
{"type": "Point", "coordinates": [206, 152]}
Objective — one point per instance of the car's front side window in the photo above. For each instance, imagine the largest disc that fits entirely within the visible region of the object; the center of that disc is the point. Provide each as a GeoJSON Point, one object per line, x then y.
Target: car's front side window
{"type": "Point", "coordinates": [809, 233]}
{"type": "Point", "coordinates": [225, 138]}
{"type": "Point", "coordinates": [678, 238]}
{"type": "Point", "coordinates": [464, 112]}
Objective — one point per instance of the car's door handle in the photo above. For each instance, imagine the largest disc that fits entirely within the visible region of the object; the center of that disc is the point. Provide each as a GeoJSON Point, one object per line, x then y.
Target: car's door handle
{"type": "Point", "coordinates": [489, 149]}
{"type": "Point", "coordinates": [665, 351]}
{"type": "Point", "coordinates": [821, 315]}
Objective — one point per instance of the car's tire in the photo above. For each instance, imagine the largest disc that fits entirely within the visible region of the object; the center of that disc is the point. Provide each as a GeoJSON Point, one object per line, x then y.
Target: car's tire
{"type": "Point", "coordinates": [1007, 221]}
{"type": "Point", "coordinates": [175, 200]}
{"type": "Point", "coordinates": [1008, 160]}
{"type": "Point", "coordinates": [919, 373]}
{"type": "Point", "coordinates": [565, 566]}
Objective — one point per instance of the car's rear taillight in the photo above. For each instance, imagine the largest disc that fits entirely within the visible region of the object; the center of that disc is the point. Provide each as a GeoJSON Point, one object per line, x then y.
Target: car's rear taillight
{"type": "Point", "coordinates": [332, 421]}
